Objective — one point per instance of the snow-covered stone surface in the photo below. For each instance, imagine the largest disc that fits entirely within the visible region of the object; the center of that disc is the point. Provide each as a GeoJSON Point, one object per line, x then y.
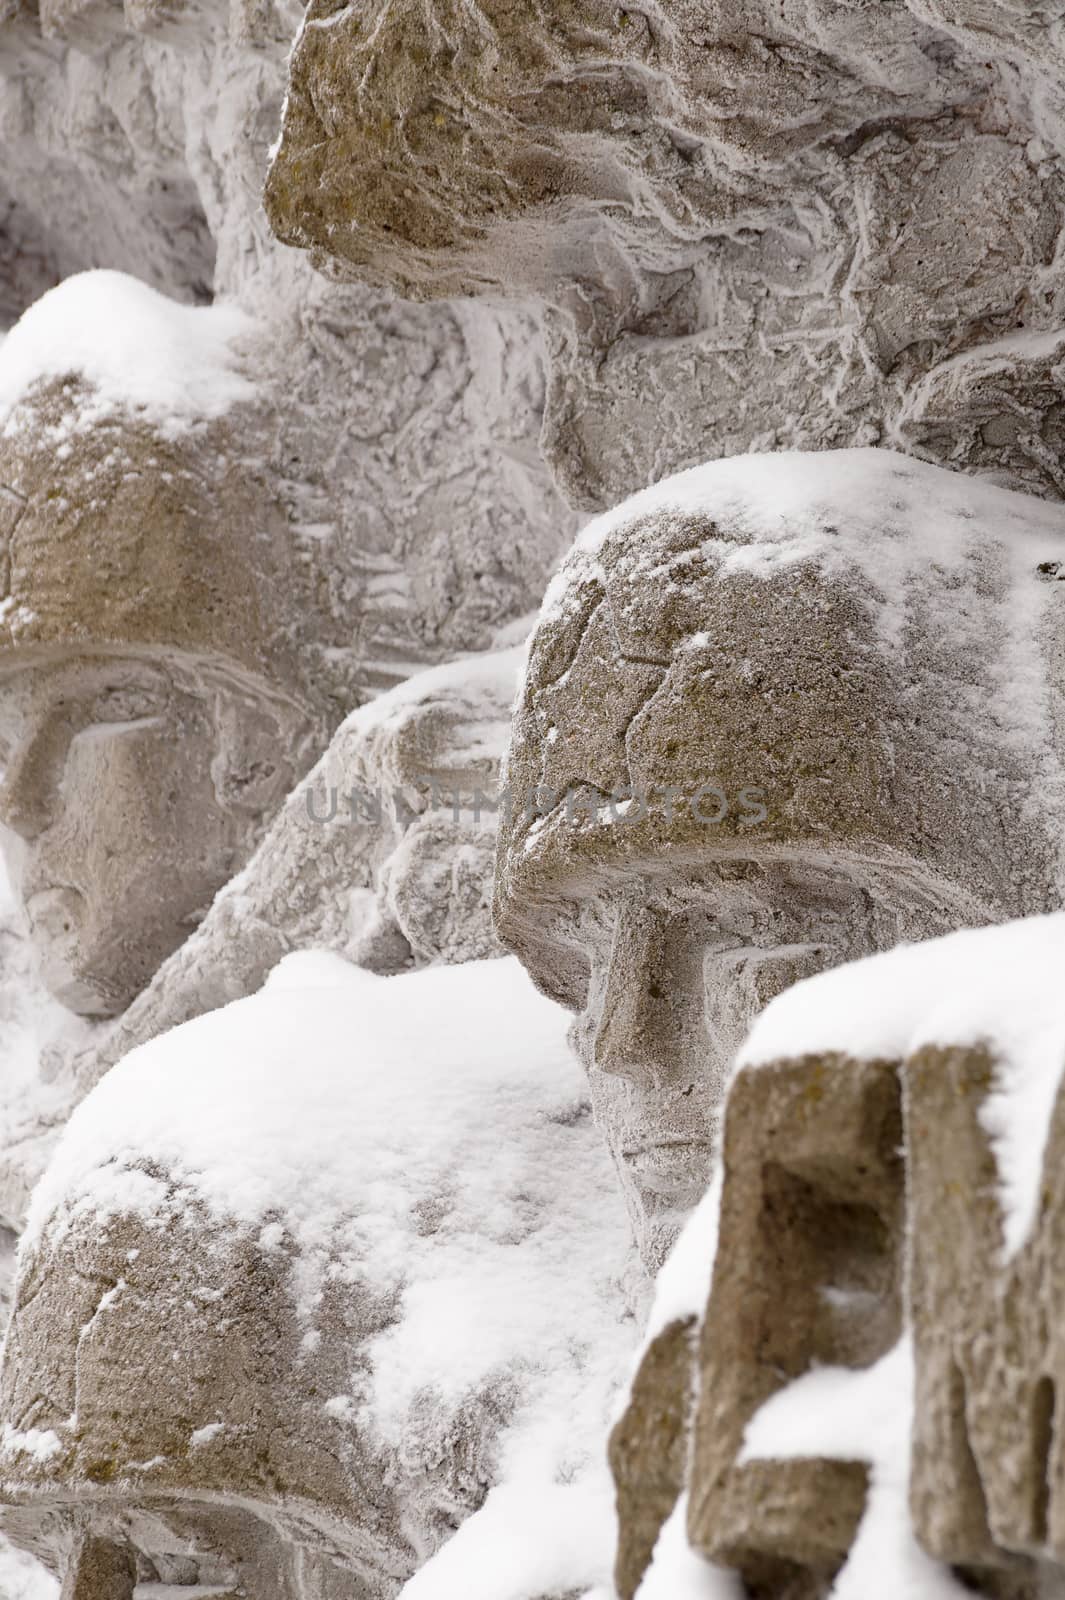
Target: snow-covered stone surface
{"type": "Point", "coordinates": [972, 1028]}
{"type": "Point", "coordinates": [999, 990]}
{"type": "Point", "coordinates": [321, 331]}
{"type": "Point", "coordinates": [382, 854]}
{"type": "Point", "coordinates": [779, 710]}
{"type": "Point", "coordinates": [404, 446]}
{"type": "Point", "coordinates": [767, 226]}
{"type": "Point", "coordinates": [135, 350]}
{"type": "Point", "coordinates": [447, 1302]}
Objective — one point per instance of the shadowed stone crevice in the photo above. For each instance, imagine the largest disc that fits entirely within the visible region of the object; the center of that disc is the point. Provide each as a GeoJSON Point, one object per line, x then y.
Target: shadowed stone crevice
{"type": "Point", "coordinates": [100, 1570]}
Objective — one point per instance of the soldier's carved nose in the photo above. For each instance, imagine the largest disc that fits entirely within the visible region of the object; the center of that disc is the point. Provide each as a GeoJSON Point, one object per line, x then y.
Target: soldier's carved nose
{"type": "Point", "coordinates": [637, 1033]}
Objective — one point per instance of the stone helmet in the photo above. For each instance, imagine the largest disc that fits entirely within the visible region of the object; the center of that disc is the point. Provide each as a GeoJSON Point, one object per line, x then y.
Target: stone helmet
{"type": "Point", "coordinates": [120, 537]}
{"type": "Point", "coordinates": [168, 669]}
{"type": "Point", "coordinates": [853, 657]}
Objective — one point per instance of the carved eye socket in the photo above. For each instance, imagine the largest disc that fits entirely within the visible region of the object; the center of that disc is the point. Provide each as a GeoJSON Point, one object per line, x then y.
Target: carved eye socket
{"type": "Point", "coordinates": [127, 703]}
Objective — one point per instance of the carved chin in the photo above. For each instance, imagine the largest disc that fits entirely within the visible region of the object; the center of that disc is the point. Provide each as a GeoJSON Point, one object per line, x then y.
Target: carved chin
{"type": "Point", "coordinates": [73, 990]}
{"type": "Point", "coordinates": [674, 1172]}
{"type": "Point", "coordinates": [57, 918]}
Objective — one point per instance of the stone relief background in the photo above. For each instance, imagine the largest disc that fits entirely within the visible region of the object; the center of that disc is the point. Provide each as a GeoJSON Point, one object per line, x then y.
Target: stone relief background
{"type": "Point", "coordinates": [475, 274]}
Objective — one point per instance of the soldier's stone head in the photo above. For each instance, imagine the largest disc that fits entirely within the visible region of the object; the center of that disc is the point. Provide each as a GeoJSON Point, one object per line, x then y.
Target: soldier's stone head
{"type": "Point", "coordinates": [154, 708]}
{"type": "Point", "coordinates": [778, 712]}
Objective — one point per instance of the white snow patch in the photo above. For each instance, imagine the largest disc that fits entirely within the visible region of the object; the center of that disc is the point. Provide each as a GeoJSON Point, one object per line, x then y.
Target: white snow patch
{"type": "Point", "coordinates": [999, 986]}
{"type": "Point", "coordinates": [526, 1541]}
{"type": "Point", "coordinates": [172, 364]}
{"type": "Point", "coordinates": [682, 1287]}
{"type": "Point", "coordinates": [428, 1136]}
{"type": "Point", "coordinates": [901, 514]}
{"type": "Point", "coordinates": [41, 1444]}
{"type": "Point", "coordinates": [866, 1415]}
{"type": "Point", "coordinates": [204, 1435]}
{"type": "Point", "coordinates": [341, 1407]}
{"type": "Point", "coordinates": [23, 1578]}
{"type": "Point", "coordinates": [677, 1572]}
{"type": "Point", "coordinates": [494, 673]}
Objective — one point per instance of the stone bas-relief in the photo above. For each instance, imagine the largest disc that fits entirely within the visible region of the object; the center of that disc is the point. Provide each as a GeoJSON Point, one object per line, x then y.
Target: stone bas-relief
{"type": "Point", "coordinates": [837, 634]}
{"type": "Point", "coordinates": [233, 1361]}
{"type": "Point", "coordinates": [403, 440]}
{"type": "Point", "coordinates": [159, 689]}
{"type": "Point", "coordinates": [887, 1184]}
{"type": "Point", "coordinates": [679, 233]}
{"type": "Point", "coordinates": [125, 796]}
{"type": "Point", "coordinates": [811, 1218]}
{"type": "Point", "coordinates": [379, 855]}
{"type": "Point", "coordinates": [775, 226]}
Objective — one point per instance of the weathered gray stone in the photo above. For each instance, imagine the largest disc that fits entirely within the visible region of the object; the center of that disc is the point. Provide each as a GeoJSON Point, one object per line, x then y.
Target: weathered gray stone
{"type": "Point", "coordinates": [985, 1488]}
{"type": "Point", "coordinates": [649, 1448]}
{"type": "Point", "coordinates": [808, 1271]}
{"type": "Point", "coordinates": [743, 633]}
{"type": "Point", "coordinates": [369, 857]}
{"type": "Point", "coordinates": [746, 233]}
{"type": "Point", "coordinates": [163, 680]}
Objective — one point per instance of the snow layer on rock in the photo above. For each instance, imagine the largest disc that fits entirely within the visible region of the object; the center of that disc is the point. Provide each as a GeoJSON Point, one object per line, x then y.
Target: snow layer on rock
{"type": "Point", "coordinates": [339, 1108]}
{"type": "Point", "coordinates": [23, 1578]}
{"type": "Point", "coordinates": [876, 512]}
{"type": "Point", "coordinates": [528, 1540]}
{"type": "Point", "coordinates": [32, 1024]}
{"type": "Point", "coordinates": [919, 546]}
{"type": "Point", "coordinates": [682, 1287]}
{"type": "Point", "coordinates": [677, 1572]}
{"type": "Point", "coordinates": [1000, 987]}
{"type": "Point", "coordinates": [864, 1415]}
{"type": "Point", "coordinates": [898, 514]}
{"type": "Point", "coordinates": [492, 673]}
{"type": "Point", "coordinates": [172, 364]}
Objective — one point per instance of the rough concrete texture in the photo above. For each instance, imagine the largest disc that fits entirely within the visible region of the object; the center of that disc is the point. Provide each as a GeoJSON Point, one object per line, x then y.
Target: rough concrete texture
{"type": "Point", "coordinates": [166, 680]}
{"type": "Point", "coordinates": [649, 1448]}
{"type": "Point", "coordinates": [403, 445]}
{"type": "Point", "coordinates": [214, 1393]}
{"type": "Point", "coordinates": [808, 1271]}
{"type": "Point", "coordinates": [746, 232]}
{"type": "Point", "coordinates": [121, 534]}
{"type": "Point", "coordinates": [864, 1195]}
{"type": "Point", "coordinates": [986, 1479]}
{"type": "Point", "coordinates": [812, 1202]}
{"type": "Point", "coordinates": [743, 628]}
{"type": "Point", "coordinates": [266, 1500]}
{"type": "Point", "coordinates": [100, 1569]}
{"type": "Point", "coordinates": [369, 857]}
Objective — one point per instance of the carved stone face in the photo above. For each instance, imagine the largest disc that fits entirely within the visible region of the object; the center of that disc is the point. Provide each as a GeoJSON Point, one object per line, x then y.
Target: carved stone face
{"type": "Point", "coordinates": [682, 955]}
{"type": "Point", "coordinates": [728, 632]}
{"type": "Point", "coordinates": [132, 789]}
